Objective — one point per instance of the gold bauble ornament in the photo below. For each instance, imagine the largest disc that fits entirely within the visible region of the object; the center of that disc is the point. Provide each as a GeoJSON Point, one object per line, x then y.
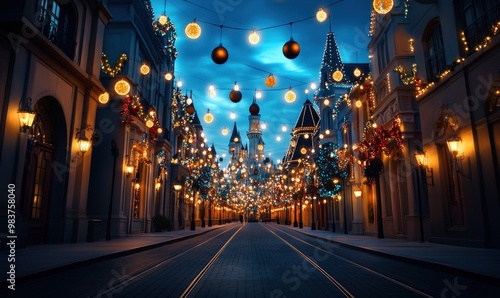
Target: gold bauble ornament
{"type": "Point", "coordinates": [337, 75]}
{"type": "Point", "coordinates": [193, 30]}
{"type": "Point", "coordinates": [104, 98]}
{"type": "Point", "coordinates": [383, 6]}
{"type": "Point", "coordinates": [122, 87]}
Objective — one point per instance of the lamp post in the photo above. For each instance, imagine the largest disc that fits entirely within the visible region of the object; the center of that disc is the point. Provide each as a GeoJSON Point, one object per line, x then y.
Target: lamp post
{"type": "Point", "coordinates": [421, 160]}
{"type": "Point", "coordinates": [177, 188]}
{"type": "Point", "coordinates": [335, 182]}
{"type": "Point", "coordinates": [114, 152]}
{"type": "Point", "coordinates": [345, 208]}
{"type": "Point", "coordinates": [193, 224]}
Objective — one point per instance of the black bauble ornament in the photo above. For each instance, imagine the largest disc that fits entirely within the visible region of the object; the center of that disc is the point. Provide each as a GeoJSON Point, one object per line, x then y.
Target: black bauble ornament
{"type": "Point", "coordinates": [291, 49]}
{"type": "Point", "coordinates": [220, 55]}
{"type": "Point", "coordinates": [235, 96]}
{"type": "Point", "coordinates": [190, 109]}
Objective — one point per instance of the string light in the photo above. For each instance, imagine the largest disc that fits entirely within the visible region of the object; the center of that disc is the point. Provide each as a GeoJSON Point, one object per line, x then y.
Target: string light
{"type": "Point", "coordinates": [254, 37]}
{"type": "Point", "coordinates": [321, 15]}
{"type": "Point", "coordinates": [168, 76]}
{"type": "Point", "coordinates": [290, 96]}
{"type": "Point", "coordinates": [208, 117]}
{"type": "Point", "coordinates": [112, 71]}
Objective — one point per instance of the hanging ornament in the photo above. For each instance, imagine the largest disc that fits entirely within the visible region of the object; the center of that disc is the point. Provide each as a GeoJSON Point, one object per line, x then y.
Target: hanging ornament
{"type": "Point", "coordinates": [162, 19]}
{"type": "Point", "coordinates": [144, 69]}
{"type": "Point", "coordinates": [254, 37]}
{"type": "Point", "coordinates": [208, 117]}
{"type": "Point", "coordinates": [190, 109]}
{"type": "Point", "coordinates": [321, 15]}
{"type": "Point", "coordinates": [290, 95]}
{"type": "Point", "coordinates": [235, 96]}
{"type": "Point", "coordinates": [357, 72]}
{"type": "Point", "coordinates": [258, 94]}
{"type": "Point", "coordinates": [122, 87]}
{"type": "Point", "coordinates": [193, 30]}
{"type": "Point", "coordinates": [225, 131]}
{"type": "Point", "coordinates": [291, 49]}
{"type": "Point", "coordinates": [232, 115]}
{"type": "Point", "coordinates": [211, 91]}
{"type": "Point", "coordinates": [383, 6]}
{"type": "Point", "coordinates": [104, 98]}
{"type": "Point", "coordinates": [337, 75]}
{"type": "Point", "coordinates": [270, 80]}
{"type": "Point", "coordinates": [220, 54]}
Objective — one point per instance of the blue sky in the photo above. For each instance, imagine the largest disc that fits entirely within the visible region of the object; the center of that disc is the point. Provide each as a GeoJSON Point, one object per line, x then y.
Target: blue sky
{"type": "Point", "coordinates": [249, 65]}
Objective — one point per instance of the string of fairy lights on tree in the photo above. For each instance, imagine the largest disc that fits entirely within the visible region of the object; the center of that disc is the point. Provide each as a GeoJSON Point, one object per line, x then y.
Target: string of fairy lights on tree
{"type": "Point", "coordinates": [327, 167]}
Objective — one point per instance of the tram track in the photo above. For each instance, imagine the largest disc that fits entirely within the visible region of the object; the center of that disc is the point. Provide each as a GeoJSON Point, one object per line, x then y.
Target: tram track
{"type": "Point", "coordinates": [338, 284]}
{"type": "Point", "coordinates": [137, 275]}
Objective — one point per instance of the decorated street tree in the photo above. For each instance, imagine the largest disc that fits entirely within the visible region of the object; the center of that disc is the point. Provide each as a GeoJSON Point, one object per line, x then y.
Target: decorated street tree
{"type": "Point", "coordinates": [376, 141]}
{"type": "Point", "coordinates": [328, 168]}
{"type": "Point", "coordinates": [204, 182]}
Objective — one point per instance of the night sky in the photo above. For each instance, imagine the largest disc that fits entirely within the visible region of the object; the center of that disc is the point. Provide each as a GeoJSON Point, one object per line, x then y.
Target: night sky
{"type": "Point", "coordinates": [249, 65]}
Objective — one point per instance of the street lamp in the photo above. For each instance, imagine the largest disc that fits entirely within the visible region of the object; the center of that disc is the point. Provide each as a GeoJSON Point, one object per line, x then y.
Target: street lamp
{"type": "Point", "coordinates": [25, 114]}
{"type": "Point", "coordinates": [358, 193]}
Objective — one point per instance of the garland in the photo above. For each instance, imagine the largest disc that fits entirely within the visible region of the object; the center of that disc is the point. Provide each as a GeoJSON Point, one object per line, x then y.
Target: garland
{"type": "Point", "coordinates": [374, 144]}
{"type": "Point", "coordinates": [131, 107]}
{"type": "Point", "coordinates": [112, 71]}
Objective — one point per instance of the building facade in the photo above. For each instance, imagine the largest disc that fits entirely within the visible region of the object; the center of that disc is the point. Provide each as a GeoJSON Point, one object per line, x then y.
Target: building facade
{"type": "Point", "coordinates": [50, 51]}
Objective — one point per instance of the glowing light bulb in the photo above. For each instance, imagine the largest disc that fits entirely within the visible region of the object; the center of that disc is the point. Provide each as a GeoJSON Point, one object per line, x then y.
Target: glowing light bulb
{"type": "Point", "coordinates": [321, 15]}
{"type": "Point", "coordinates": [254, 37]}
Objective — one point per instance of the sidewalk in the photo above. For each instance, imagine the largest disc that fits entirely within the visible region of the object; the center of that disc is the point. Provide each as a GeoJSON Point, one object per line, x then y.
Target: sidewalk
{"type": "Point", "coordinates": [39, 260]}
{"type": "Point", "coordinates": [474, 262]}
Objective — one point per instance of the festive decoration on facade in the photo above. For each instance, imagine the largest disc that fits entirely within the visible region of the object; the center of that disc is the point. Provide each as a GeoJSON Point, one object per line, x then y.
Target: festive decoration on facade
{"type": "Point", "coordinates": [383, 6]}
{"type": "Point", "coordinates": [104, 98]}
{"type": "Point", "coordinates": [144, 69]}
{"type": "Point", "coordinates": [131, 106]}
{"type": "Point", "coordinates": [122, 87]}
{"type": "Point", "coordinates": [113, 71]}
{"type": "Point", "coordinates": [376, 140]}
{"type": "Point", "coordinates": [179, 116]}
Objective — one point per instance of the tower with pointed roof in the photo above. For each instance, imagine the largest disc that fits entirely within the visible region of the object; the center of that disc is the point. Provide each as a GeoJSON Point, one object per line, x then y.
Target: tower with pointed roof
{"type": "Point", "coordinates": [336, 79]}
{"type": "Point", "coordinates": [235, 145]}
{"type": "Point", "coordinates": [254, 134]}
{"type": "Point", "coordinates": [303, 135]}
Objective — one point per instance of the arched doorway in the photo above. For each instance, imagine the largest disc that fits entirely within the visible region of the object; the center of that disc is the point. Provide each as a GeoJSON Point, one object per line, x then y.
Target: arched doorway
{"type": "Point", "coordinates": [44, 182]}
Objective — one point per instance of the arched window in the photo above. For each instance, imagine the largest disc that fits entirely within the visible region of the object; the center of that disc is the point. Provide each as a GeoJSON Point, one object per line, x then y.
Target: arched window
{"type": "Point", "coordinates": [57, 21]}
{"type": "Point", "coordinates": [435, 60]}
{"type": "Point", "coordinates": [326, 119]}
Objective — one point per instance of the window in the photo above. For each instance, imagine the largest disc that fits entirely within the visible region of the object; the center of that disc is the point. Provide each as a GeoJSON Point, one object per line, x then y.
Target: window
{"type": "Point", "coordinates": [326, 120]}
{"type": "Point", "coordinates": [383, 54]}
{"type": "Point", "coordinates": [435, 61]}
{"type": "Point", "coordinates": [58, 23]}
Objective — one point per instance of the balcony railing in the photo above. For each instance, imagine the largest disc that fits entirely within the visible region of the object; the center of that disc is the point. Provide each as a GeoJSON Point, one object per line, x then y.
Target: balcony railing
{"type": "Point", "coordinates": [481, 28]}
{"type": "Point", "coordinates": [435, 64]}
{"type": "Point", "coordinates": [55, 32]}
